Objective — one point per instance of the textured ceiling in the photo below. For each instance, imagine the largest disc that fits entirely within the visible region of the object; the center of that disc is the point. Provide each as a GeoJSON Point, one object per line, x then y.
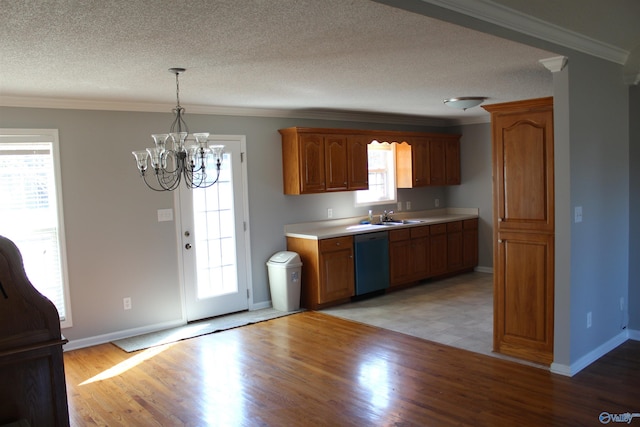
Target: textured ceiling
{"type": "Point", "coordinates": [294, 56]}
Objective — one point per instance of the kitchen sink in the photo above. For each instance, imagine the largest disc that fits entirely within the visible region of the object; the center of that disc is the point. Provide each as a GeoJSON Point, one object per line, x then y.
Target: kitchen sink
{"type": "Point", "coordinates": [403, 221]}
{"type": "Point", "coordinates": [392, 223]}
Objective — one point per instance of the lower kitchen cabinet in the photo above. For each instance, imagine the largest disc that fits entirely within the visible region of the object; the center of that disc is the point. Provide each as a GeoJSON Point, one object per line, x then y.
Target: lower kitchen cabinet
{"type": "Point", "coordinates": [408, 255]}
{"type": "Point", "coordinates": [415, 254]}
{"type": "Point", "coordinates": [400, 257]}
{"type": "Point", "coordinates": [438, 249]}
{"type": "Point", "coordinates": [454, 245]}
{"type": "Point", "coordinates": [328, 275]}
{"type": "Point", "coordinates": [469, 243]}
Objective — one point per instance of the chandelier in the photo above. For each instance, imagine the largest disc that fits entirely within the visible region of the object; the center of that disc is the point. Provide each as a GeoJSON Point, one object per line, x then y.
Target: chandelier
{"type": "Point", "coordinates": [198, 164]}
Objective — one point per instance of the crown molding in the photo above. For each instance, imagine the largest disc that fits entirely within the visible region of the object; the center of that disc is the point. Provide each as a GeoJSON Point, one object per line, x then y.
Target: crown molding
{"type": "Point", "coordinates": [319, 114]}
{"type": "Point", "coordinates": [506, 17]}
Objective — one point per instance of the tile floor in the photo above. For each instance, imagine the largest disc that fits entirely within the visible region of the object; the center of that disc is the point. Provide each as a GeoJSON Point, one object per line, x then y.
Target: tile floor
{"type": "Point", "coordinates": [457, 311]}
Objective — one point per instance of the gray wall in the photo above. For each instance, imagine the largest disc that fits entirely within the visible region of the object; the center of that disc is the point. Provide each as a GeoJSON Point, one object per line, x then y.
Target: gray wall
{"type": "Point", "coordinates": [634, 208]}
{"type": "Point", "coordinates": [117, 248]}
{"type": "Point", "coordinates": [477, 185]}
{"type": "Point", "coordinates": [599, 177]}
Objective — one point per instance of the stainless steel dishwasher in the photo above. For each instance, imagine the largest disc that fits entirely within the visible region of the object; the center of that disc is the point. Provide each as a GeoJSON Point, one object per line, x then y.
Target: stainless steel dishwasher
{"type": "Point", "coordinates": [371, 262]}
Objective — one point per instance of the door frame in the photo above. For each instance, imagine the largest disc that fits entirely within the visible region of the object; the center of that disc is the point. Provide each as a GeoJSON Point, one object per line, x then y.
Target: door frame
{"type": "Point", "coordinates": [245, 214]}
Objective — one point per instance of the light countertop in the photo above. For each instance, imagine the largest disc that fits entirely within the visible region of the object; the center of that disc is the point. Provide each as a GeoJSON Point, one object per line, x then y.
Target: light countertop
{"type": "Point", "coordinates": [351, 226]}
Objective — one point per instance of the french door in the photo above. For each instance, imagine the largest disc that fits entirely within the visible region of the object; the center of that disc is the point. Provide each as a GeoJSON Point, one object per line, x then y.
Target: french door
{"type": "Point", "coordinates": [213, 239]}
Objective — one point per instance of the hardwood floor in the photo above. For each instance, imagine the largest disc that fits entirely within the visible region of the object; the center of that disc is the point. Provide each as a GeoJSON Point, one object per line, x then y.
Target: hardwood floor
{"type": "Point", "coordinates": [312, 369]}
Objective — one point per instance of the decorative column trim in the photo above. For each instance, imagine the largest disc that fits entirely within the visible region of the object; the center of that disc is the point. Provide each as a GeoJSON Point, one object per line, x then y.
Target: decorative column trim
{"type": "Point", "coordinates": [555, 64]}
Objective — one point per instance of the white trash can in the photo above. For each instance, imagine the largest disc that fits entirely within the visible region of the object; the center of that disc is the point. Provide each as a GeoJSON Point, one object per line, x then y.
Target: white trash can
{"type": "Point", "coordinates": [284, 280]}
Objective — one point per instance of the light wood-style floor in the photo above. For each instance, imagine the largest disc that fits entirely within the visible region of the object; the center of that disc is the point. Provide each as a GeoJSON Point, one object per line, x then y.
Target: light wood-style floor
{"type": "Point", "coordinates": [312, 369]}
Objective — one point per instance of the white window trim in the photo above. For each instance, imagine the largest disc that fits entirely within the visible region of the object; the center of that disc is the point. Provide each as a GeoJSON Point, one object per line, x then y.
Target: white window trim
{"type": "Point", "coordinates": [50, 135]}
{"type": "Point", "coordinates": [395, 185]}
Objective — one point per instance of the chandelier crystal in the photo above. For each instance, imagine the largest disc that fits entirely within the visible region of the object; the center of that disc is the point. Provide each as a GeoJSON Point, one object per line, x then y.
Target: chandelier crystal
{"type": "Point", "coordinates": [198, 164]}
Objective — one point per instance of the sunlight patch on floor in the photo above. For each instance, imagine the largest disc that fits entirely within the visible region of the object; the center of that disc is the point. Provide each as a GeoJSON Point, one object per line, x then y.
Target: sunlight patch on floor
{"type": "Point", "coordinates": [130, 363]}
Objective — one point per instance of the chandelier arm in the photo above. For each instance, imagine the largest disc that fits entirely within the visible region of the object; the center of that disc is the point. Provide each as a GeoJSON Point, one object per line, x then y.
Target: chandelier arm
{"type": "Point", "coordinates": [144, 178]}
{"type": "Point", "coordinates": [209, 184]}
{"type": "Point", "coordinates": [169, 181]}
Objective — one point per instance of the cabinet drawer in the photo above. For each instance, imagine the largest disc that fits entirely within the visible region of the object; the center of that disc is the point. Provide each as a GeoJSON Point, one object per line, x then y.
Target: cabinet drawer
{"type": "Point", "coordinates": [470, 224]}
{"type": "Point", "coordinates": [335, 243]}
{"type": "Point", "coordinates": [417, 232]}
{"type": "Point", "coordinates": [438, 229]}
{"type": "Point", "coordinates": [454, 226]}
{"type": "Point", "coordinates": [398, 235]}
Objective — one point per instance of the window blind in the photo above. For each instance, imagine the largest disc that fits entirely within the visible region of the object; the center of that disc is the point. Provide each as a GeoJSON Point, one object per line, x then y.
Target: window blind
{"type": "Point", "coordinates": [29, 212]}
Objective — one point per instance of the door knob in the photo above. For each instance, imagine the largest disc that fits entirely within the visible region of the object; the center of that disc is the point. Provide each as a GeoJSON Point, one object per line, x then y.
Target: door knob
{"type": "Point", "coordinates": [187, 246]}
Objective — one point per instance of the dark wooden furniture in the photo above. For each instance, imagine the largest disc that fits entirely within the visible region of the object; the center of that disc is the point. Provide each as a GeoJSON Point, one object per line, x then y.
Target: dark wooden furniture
{"type": "Point", "coordinates": [32, 381]}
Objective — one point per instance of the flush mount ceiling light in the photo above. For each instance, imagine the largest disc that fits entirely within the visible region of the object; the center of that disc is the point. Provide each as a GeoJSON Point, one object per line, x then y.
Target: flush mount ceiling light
{"type": "Point", "coordinates": [464, 102]}
{"type": "Point", "coordinates": [197, 163]}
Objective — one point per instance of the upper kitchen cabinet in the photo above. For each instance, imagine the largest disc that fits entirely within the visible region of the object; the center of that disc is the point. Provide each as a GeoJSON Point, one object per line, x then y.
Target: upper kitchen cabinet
{"type": "Point", "coordinates": [316, 160]}
{"type": "Point", "coordinates": [323, 160]}
{"type": "Point", "coordinates": [413, 168]}
{"type": "Point", "coordinates": [431, 160]}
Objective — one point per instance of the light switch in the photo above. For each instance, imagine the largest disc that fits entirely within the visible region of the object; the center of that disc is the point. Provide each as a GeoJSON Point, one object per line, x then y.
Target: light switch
{"type": "Point", "coordinates": [165, 215]}
{"type": "Point", "coordinates": [577, 214]}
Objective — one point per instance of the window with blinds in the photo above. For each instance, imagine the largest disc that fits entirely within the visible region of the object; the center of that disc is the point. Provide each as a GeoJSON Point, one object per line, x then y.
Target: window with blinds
{"type": "Point", "coordinates": [31, 210]}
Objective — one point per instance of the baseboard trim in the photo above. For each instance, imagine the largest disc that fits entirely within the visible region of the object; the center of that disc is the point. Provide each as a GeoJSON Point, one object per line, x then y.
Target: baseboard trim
{"type": "Point", "coordinates": [481, 269]}
{"type": "Point", "coordinates": [589, 358]}
{"type": "Point", "coordinates": [128, 333]}
{"type": "Point", "coordinates": [634, 335]}
{"type": "Point", "coordinates": [118, 335]}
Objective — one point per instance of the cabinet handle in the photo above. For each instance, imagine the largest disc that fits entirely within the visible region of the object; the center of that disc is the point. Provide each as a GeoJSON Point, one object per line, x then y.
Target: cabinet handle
{"type": "Point", "coordinates": [499, 219]}
{"type": "Point", "coordinates": [338, 243]}
{"type": "Point", "coordinates": [499, 240]}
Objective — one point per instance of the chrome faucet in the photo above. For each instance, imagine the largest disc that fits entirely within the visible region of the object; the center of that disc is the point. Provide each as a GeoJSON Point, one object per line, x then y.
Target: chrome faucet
{"type": "Point", "coordinates": [386, 216]}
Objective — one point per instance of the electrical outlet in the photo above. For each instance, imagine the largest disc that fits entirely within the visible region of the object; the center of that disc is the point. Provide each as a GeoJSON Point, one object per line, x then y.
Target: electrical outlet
{"type": "Point", "coordinates": [408, 205]}
{"type": "Point", "coordinates": [588, 319]}
{"type": "Point", "coordinates": [437, 203]}
{"type": "Point", "coordinates": [399, 206]}
{"type": "Point", "coordinates": [126, 302]}
{"type": "Point", "coordinates": [329, 213]}
{"type": "Point", "coordinates": [577, 214]}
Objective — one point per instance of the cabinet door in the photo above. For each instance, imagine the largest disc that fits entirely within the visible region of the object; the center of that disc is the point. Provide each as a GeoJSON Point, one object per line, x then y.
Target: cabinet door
{"type": "Point", "coordinates": [452, 162]}
{"type": "Point", "coordinates": [454, 246]}
{"type": "Point", "coordinates": [400, 262]}
{"type": "Point", "coordinates": [337, 276]}
{"type": "Point", "coordinates": [523, 171]}
{"type": "Point", "coordinates": [420, 162]}
{"type": "Point", "coordinates": [438, 249]}
{"type": "Point", "coordinates": [420, 257]}
{"type": "Point", "coordinates": [437, 162]}
{"type": "Point", "coordinates": [470, 243]}
{"type": "Point", "coordinates": [358, 162]}
{"type": "Point", "coordinates": [335, 148]}
{"type": "Point", "coordinates": [524, 295]}
{"type": "Point", "coordinates": [312, 160]}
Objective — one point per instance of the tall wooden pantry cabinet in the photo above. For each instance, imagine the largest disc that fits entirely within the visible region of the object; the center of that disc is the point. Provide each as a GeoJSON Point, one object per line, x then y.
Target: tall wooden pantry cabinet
{"type": "Point", "coordinates": [523, 211]}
